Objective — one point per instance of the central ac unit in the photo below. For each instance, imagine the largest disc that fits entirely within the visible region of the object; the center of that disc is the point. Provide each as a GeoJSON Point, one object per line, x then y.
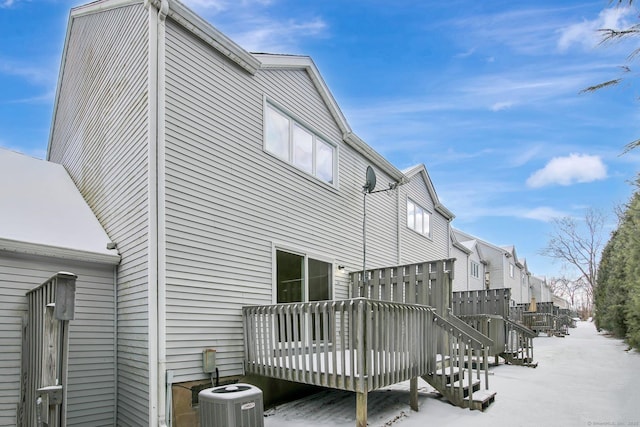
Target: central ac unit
{"type": "Point", "coordinates": [237, 405]}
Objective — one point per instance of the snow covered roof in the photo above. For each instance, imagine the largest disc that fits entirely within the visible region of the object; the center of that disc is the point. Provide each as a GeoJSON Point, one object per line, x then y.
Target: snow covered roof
{"type": "Point", "coordinates": [43, 213]}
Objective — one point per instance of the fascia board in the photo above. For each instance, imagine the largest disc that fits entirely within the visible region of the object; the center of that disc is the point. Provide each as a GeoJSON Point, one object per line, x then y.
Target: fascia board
{"type": "Point", "coordinates": [210, 35]}
{"type": "Point", "coordinates": [57, 252]}
{"type": "Point", "coordinates": [295, 62]}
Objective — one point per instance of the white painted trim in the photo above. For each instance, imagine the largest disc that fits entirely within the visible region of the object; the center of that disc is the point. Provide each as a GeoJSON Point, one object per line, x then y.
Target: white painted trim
{"type": "Point", "coordinates": [163, 407]}
{"type": "Point", "coordinates": [100, 6]}
{"type": "Point", "coordinates": [57, 252]}
{"type": "Point", "coordinates": [210, 35]}
{"type": "Point", "coordinates": [152, 261]}
{"type": "Point", "coordinates": [306, 254]}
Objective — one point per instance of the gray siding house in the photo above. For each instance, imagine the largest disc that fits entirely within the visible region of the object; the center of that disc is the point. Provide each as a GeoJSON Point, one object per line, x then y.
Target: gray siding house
{"type": "Point", "coordinates": [470, 265]}
{"type": "Point", "coordinates": [45, 228]}
{"type": "Point", "coordinates": [501, 266]}
{"type": "Point", "coordinates": [226, 179]}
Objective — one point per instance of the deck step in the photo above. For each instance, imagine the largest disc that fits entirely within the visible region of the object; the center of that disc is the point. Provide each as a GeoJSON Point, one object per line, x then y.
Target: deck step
{"type": "Point", "coordinates": [449, 371]}
{"type": "Point", "coordinates": [465, 386]}
{"type": "Point", "coordinates": [482, 399]}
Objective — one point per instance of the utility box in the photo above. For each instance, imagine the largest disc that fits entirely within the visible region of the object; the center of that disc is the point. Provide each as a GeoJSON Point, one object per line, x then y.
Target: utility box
{"type": "Point", "coordinates": [237, 405]}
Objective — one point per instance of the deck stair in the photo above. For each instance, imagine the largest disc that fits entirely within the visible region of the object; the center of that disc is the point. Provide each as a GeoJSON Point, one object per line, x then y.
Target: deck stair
{"type": "Point", "coordinates": [461, 366]}
{"type": "Point", "coordinates": [518, 349]}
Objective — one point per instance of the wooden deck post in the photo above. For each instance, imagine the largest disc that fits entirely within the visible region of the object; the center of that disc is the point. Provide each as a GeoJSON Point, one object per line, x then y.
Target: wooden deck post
{"type": "Point", "coordinates": [361, 409]}
{"type": "Point", "coordinates": [413, 394]}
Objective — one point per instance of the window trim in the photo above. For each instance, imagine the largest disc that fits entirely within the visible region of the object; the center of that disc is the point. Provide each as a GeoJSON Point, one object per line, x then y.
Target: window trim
{"type": "Point", "coordinates": [477, 268]}
{"type": "Point", "coordinates": [426, 213]}
{"type": "Point", "coordinates": [317, 139]}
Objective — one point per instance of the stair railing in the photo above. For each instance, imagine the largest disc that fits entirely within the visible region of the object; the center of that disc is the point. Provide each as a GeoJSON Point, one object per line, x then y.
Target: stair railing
{"type": "Point", "coordinates": [458, 344]}
{"type": "Point", "coordinates": [524, 339]}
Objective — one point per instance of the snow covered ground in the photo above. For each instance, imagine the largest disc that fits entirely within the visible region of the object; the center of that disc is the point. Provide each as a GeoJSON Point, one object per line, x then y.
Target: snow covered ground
{"type": "Point", "coordinates": [585, 379]}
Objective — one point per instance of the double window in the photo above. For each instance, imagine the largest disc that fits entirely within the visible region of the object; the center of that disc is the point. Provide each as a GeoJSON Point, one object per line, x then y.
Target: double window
{"type": "Point", "coordinates": [295, 144]}
{"type": "Point", "coordinates": [300, 278]}
{"type": "Point", "coordinates": [418, 218]}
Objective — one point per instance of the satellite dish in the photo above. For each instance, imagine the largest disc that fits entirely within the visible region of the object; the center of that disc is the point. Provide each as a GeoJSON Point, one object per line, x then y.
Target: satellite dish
{"type": "Point", "coordinates": [370, 185]}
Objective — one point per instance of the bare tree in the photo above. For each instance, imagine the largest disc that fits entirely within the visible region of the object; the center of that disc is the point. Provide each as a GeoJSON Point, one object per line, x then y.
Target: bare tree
{"type": "Point", "coordinates": [569, 289]}
{"type": "Point", "coordinates": [578, 244]}
{"type": "Point", "coordinates": [612, 35]}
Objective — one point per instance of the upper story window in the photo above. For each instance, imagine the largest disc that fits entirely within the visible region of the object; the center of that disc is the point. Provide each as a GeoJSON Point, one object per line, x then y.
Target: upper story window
{"type": "Point", "coordinates": [418, 218]}
{"type": "Point", "coordinates": [475, 269]}
{"type": "Point", "coordinates": [292, 142]}
{"type": "Point", "coordinates": [511, 268]}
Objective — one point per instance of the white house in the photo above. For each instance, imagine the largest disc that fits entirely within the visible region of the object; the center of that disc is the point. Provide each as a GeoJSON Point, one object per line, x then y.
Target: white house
{"type": "Point", "coordinates": [46, 227]}
{"type": "Point", "coordinates": [225, 179]}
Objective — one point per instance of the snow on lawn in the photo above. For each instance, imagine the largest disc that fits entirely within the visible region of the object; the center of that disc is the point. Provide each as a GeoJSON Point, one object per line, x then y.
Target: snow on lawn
{"type": "Point", "coordinates": [585, 379]}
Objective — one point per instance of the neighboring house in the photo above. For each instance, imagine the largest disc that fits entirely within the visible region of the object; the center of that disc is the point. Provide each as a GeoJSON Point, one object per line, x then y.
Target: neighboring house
{"type": "Point", "coordinates": [471, 272]}
{"type": "Point", "coordinates": [561, 303]}
{"type": "Point", "coordinates": [425, 233]}
{"type": "Point", "coordinates": [502, 269]}
{"type": "Point", "coordinates": [45, 228]}
{"type": "Point", "coordinates": [226, 179]}
{"type": "Point", "coordinates": [540, 290]}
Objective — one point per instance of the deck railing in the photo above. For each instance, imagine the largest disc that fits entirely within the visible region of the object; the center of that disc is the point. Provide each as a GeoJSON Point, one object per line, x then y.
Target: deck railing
{"type": "Point", "coordinates": [540, 322]}
{"type": "Point", "coordinates": [356, 345]}
{"type": "Point", "coordinates": [486, 301]}
{"type": "Point", "coordinates": [519, 340]}
{"type": "Point", "coordinates": [508, 336]}
{"type": "Point", "coordinates": [463, 348]}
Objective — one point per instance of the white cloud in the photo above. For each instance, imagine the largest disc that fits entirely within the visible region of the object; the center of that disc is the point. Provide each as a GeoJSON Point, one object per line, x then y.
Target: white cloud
{"type": "Point", "coordinates": [29, 72]}
{"type": "Point", "coordinates": [6, 3]}
{"type": "Point", "coordinates": [575, 168]}
{"type": "Point", "coordinates": [223, 5]}
{"type": "Point", "coordinates": [499, 106]}
{"type": "Point", "coordinates": [277, 37]}
{"type": "Point", "coordinates": [586, 33]}
{"type": "Point", "coordinates": [543, 213]}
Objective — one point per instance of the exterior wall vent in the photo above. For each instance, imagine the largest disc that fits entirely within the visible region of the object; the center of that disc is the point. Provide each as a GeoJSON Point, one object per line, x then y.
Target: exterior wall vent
{"type": "Point", "coordinates": [237, 405]}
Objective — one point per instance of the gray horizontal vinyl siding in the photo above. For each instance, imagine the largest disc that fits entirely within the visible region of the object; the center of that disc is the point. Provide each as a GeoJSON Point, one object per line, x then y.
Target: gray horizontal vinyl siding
{"type": "Point", "coordinates": [91, 391]}
{"type": "Point", "coordinates": [415, 246]}
{"type": "Point", "coordinates": [100, 134]}
{"type": "Point", "coordinates": [228, 202]}
{"type": "Point", "coordinates": [461, 270]}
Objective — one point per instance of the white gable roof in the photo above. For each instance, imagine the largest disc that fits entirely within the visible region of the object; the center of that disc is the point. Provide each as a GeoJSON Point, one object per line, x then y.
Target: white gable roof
{"type": "Point", "coordinates": [43, 212]}
{"type": "Point", "coordinates": [421, 170]}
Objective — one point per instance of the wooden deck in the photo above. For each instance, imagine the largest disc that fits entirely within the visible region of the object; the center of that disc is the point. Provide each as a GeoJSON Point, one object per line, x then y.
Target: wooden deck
{"type": "Point", "coordinates": [366, 343]}
{"type": "Point", "coordinates": [489, 312]}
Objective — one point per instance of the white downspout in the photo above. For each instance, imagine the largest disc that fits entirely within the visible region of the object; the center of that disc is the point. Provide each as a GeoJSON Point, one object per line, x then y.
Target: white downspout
{"type": "Point", "coordinates": [159, 411]}
{"type": "Point", "coordinates": [164, 410]}
{"type": "Point", "coordinates": [399, 224]}
{"type": "Point", "coordinates": [156, 291]}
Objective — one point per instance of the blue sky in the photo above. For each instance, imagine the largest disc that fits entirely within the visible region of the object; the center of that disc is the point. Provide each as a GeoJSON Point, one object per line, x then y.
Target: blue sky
{"type": "Point", "coordinates": [485, 93]}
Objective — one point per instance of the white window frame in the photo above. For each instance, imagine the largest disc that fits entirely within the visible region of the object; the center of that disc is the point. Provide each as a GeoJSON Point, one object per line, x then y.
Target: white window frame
{"type": "Point", "coordinates": [318, 141]}
{"type": "Point", "coordinates": [306, 255]}
{"type": "Point", "coordinates": [511, 270]}
{"type": "Point", "coordinates": [475, 267]}
{"type": "Point", "coordinates": [425, 214]}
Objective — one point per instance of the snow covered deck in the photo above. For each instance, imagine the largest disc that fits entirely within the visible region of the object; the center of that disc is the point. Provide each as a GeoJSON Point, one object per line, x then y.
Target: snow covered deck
{"type": "Point", "coordinates": [356, 345]}
{"type": "Point", "coordinates": [362, 345]}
